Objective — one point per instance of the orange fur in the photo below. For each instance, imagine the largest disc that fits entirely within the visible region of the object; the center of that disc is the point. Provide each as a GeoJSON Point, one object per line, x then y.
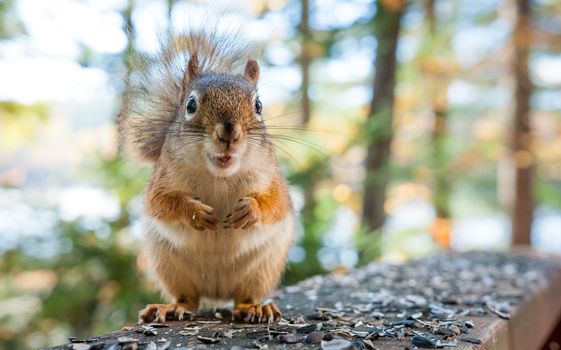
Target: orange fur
{"type": "Point", "coordinates": [161, 202]}
{"type": "Point", "coordinates": [274, 203]}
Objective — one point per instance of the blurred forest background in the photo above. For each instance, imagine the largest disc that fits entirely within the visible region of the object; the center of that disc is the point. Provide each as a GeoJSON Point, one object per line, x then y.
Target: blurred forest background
{"type": "Point", "coordinates": [432, 124]}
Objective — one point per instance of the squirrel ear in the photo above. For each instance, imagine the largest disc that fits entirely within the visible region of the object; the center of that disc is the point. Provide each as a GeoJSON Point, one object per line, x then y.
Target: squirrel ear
{"type": "Point", "coordinates": [193, 67]}
{"type": "Point", "coordinates": [251, 71]}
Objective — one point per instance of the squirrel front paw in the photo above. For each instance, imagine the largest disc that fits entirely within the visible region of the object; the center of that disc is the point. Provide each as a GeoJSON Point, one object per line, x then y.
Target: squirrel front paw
{"type": "Point", "coordinates": [200, 216]}
{"type": "Point", "coordinates": [246, 214]}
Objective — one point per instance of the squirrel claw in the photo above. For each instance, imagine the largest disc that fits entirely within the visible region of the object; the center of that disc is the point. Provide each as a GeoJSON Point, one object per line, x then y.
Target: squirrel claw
{"type": "Point", "coordinates": [164, 312]}
{"type": "Point", "coordinates": [245, 214]}
{"type": "Point", "coordinates": [201, 217]}
{"type": "Point", "coordinates": [257, 313]}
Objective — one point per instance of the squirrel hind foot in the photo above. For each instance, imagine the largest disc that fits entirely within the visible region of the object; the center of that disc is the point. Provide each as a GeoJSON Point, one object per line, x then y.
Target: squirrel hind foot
{"type": "Point", "coordinates": [164, 312]}
{"type": "Point", "coordinates": [257, 313]}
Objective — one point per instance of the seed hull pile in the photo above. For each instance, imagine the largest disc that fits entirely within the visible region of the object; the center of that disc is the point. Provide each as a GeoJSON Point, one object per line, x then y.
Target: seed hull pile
{"type": "Point", "coordinates": [436, 302]}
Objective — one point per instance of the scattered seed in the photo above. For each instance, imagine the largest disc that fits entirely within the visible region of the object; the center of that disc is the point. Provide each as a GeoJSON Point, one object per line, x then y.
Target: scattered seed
{"type": "Point", "coordinates": [76, 340]}
{"type": "Point", "coordinates": [360, 334]}
{"type": "Point", "coordinates": [157, 325]}
{"type": "Point", "coordinates": [289, 339]}
{"type": "Point", "coordinates": [229, 333]}
{"type": "Point", "coordinates": [406, 323]}
{"type": "Point", "coordinates": [80, 346]}
{"type": "Point", "coordinates": [447, 332]}
{"type": "Point", "coordinates": [126, 340]}
{"type": "Point", "coordinates": [259, 345]}
{"type": "Point", "coordinates": [497, 311]}
{"type": "Point", "coordinates": [310, 328]}
{"type": "Point", "coordinates": [314, 338]}
{"type": "Point", "coordinates": [208, 340]}
{"type": "Point", "coordinates": [423, 342]}
{"type": "Point", "coordinates": [189, 332]}
{"type": "Point", "coordinates": [336, 344]}
{"type": "Point", "coordinates": [151, 346]}
{"type": "Point", "coordinates": [343, 334]}
{"type": "Point", "coordinates": [257, 334]}
{"type": "Point", "coordinates": [447, 343]}
{"type": "Point", "coordinates": [164, 346]}
{"type": "Point", "coordinates": [275, 333]}
{"type": "Point", "coordinates": [369, 344]}
{"type": "Point", "coordinates": [130, 346]}
{"type": "Point", "coordinates": [150, 332]}
{"type": "Point", "coordinates": [357, 345]}
{"type": "Point", "coordinates": [317, 316]}
{"type": "Point", "coordinates": [471, 340]}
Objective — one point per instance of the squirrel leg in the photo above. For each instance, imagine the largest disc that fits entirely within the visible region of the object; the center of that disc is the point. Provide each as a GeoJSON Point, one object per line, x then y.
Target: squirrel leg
{"type": "Point", "coordinates": [182, 310]}
{"type": "Point", "coordinates": [248, 310]}
{"type": "Point", "coordinates": [178, 206]}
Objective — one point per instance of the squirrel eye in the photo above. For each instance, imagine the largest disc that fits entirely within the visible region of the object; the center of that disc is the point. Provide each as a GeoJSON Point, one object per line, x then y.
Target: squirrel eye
{"type": "Point", "coordinates": [191, 105]}
{"type": "Point", "coordinates": [258, 106]}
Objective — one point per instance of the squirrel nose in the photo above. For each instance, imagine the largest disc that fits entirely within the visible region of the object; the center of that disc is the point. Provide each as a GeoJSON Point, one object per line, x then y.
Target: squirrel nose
{"type": "Point", "coordinates": [228, 131]}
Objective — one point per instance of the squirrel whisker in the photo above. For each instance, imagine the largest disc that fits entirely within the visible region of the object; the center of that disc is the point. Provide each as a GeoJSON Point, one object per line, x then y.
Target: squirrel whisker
{"type": "Point", "coordinates": [302, 142]}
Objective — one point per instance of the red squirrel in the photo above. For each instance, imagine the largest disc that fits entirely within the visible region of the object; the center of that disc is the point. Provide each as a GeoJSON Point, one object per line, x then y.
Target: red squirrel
{"type": "Point", "coordinates": [218, 219]}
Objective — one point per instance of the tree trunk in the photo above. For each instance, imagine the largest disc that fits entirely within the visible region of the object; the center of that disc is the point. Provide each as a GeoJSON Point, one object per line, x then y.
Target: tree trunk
{"type": "Point", "coordinates": [441, 228]}
{"type": "Point", "coordinates": [386, 25]}
{"type": "Point", "coordinates": [312, 241]}
{"type": "Point", "coordinates": [522, 205]}
{"type": "Point", "coordinates": [305, 60]}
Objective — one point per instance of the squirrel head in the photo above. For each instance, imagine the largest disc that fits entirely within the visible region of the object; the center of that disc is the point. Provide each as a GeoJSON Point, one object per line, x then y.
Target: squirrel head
{"type": "Point", "coordinates": [219, 123]}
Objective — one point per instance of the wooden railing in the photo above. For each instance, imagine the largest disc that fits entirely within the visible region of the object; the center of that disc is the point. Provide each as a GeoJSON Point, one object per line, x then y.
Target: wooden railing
{"type": "Point", "coordinates": [466, 301]}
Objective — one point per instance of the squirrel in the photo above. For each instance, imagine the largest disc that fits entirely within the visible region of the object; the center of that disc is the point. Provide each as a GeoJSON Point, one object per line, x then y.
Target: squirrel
{"type": "Point", "coordinates": [218, 219]}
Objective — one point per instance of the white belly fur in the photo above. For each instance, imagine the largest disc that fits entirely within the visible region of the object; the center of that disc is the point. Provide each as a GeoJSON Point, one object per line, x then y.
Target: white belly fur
{"type": "Point", "coordinates": [216, 262]}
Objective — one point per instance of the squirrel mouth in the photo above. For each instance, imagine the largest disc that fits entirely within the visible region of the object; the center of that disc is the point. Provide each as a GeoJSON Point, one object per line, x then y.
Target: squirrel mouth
{"type": "Point", "coordinates": [223, 161]}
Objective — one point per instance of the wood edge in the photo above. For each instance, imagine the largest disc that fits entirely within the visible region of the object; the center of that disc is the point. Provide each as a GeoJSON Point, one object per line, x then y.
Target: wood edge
{"type": "Point", "coordinates": [537, 316]}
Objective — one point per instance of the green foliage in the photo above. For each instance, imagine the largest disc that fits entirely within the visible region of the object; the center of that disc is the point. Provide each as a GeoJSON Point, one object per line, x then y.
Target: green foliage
{"type": "Point", "coordinates": [315, 217]}
{"type": "Point", "coordinates": [124, 176]}
{"type": "Point", "coordinates": [368, 244]}
{"type": "Point", "coordinates": [10, 26]}
{"type": "Point", "coordinates": [98, 286]}
{"type": "Point", "coordinates": [548, 192]}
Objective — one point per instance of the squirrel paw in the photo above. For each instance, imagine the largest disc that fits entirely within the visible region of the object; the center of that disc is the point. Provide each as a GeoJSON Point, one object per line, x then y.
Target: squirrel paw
{"type": "Point", "coordinates": [257, 313]}
{"type": "Point", "coordinates": [246, 214]}
{"type": "Point", "coordinates": [201, 217]}
{"type": "Point", "coordinates": [163, 313]}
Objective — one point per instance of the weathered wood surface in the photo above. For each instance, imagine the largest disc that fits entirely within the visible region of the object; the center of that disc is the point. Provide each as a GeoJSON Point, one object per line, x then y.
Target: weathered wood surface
{"type": "Point", "coordinates": [512, 300]}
